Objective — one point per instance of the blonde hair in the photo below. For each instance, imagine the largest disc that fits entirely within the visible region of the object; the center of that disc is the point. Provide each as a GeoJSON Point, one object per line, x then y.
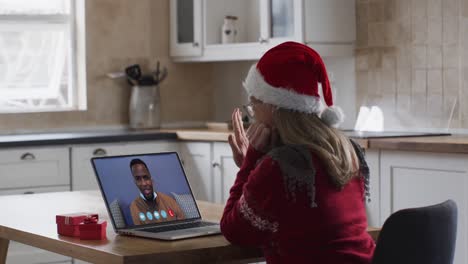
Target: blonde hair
{"type": "Point", "coordinates": [332, 148]}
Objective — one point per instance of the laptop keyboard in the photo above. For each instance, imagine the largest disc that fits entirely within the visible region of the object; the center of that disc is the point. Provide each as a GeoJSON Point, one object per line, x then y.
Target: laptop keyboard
{"type": "Point", "coordinates": [178, 227]}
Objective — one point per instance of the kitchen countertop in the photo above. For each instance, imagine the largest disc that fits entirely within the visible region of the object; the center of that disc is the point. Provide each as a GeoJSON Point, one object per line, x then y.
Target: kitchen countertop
{"type": "Point", "coordinates": [46, 139]}
{"type": "Point", "coordinates": [441, 144]}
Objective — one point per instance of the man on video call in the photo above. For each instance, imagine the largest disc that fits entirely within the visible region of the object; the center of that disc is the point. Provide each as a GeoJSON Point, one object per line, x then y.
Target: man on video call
{"type": "Point", "coordinates": [151, 206]}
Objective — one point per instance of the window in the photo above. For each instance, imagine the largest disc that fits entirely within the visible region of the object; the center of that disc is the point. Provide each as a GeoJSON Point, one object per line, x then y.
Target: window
{"type": "Point", "coordinates": [39, 62]}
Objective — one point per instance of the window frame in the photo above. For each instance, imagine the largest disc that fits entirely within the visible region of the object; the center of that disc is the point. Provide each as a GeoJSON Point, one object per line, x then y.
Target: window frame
{"type": "Point", "coordinates": [74, 27]}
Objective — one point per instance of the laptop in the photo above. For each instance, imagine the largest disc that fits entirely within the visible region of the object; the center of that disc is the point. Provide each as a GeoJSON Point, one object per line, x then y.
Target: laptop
{"type": "Point", "coordinates": [148, 195]}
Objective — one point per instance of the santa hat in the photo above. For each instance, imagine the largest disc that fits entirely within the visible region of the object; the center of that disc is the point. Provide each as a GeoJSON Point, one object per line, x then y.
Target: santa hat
{"type": "Point", "coordinates": [287, 76]}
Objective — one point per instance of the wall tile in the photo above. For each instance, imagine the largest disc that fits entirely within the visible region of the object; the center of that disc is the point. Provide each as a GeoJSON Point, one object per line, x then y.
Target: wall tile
{"type": "Point", "coordinates": [434, 34]}
{"type": "Point", "coordinates": [362, 61]}
{"type": "Point", "coordinates": [434, 82]}
{"type": "Point", "coordinates": [419, 8]}
{"type": "Point", "coordinates": [362, 34]}
{"type": "Point", "coordinates": [388, 81]}
{"type": "Point", "coordinates": [404, 56]}
{"type": "Point", "coordinates": [450, 30]}
{"type": "Point", "coordinates": [434, 8]}
{"type": "Point", "coordinates": [404, 31]}
{"type": "Point", "coordinates": [391, 34]}
{"type": "Point", "coordinates": [450, 8]}
{"type": "Point", "coordinates": [434, 57]}
{"type": "Point", "coordinates": [375, 60]}
{"type": "Point", "coordinates": [376, 34]}
{"type": "Point", "coordinates": [374, 83]}
{"type": "Point", "coordinates": [376, 11]}
{"type": "Point", "coordinates": [403, 8]}
{"type": "Point", "coordinates": [451, 82]}
{"type": "Point", "coordinates": [418, 107]}
{"type": "Point", "coordinates": [390, 8]}
{"type": "Point", "coordinates": [451, 109]}
{"type": "Point", "coordinates": [404, 80]}
{"type": "Point", "coordinates": [419, 82]}
{"type": "Point", "coordinates": [419, 30]}
{"type": "Point", "coordinates": [389, 61]}
{"type": "Point", "coordinates": [429, 51]}
{"type": "Point", "coordinates": [362, 13]}
{"type": "Point", "coordinates": [435, 105]}
{"type": "Point", "coordinates": [465, 8]}
{"type": "Point", "coordinates": [450, 56]}
{"type": "Point", "coordinates": [419, 57]}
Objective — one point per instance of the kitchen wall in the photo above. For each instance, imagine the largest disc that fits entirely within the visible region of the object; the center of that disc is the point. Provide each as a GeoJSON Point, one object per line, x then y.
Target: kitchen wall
{"type": "Point", "coordinates": [412, 60]}
{"type": "Point", "coordinates": [121, 32]}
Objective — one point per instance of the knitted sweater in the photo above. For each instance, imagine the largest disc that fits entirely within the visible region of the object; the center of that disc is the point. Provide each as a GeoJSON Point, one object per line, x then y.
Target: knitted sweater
{"type": "Point", "coordinates": [271, 206]}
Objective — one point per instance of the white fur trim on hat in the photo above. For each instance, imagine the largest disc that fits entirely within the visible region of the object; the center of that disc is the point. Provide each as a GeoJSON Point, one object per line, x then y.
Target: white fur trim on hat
{"type": "Point", "coordinates": [257, 87]}
{"type": "Point", "coordinates": [332, 116]}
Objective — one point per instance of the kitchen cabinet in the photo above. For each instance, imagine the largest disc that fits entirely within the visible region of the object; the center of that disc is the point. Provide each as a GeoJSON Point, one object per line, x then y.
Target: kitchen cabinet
{"type": "Point", "coordinates": [328, 26]}
{"type": "Point", "coordinates": [186, 27]}
{"type": "Point", "coordinates": [224, 170]}
{"type": "Point", "coordinates": [19, 253]}
{"type": "Point", "coordinates": [196, 158]}
{"type": "Point", "coordinates": [414, 179]}
{"type": "Point", "coordinates": [34, 170]}
{"type": "Point", "coordinates": [34, 167]}
{"type": "Point", "coordinates": [82, 174]}
{"type": "Point", "coordinates": [210, 169]}
{"type": "Point", "coordinates": [373, 206]}
{"type": "Point", "coordinates": [260, 24]}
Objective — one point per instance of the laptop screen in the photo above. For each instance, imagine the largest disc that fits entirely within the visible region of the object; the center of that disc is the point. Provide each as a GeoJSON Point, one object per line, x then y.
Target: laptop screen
{"type": "Point", "coordinates": [145, 189]}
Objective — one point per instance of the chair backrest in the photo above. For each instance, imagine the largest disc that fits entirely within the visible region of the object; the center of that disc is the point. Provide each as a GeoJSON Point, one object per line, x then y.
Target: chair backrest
{"type": "Point", "coordinates": [419, 235]}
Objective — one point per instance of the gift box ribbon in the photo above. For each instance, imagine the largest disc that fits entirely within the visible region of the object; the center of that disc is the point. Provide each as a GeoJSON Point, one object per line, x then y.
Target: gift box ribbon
{"type": "Point", "coordinates": [90, 220]}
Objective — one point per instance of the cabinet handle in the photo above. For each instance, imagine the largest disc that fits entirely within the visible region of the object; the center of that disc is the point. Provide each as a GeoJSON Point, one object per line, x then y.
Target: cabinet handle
{"type": "Point", "coordinates": [196, 44]}
{"type": "Point", "coordinates": [99, 152]}
{"type": "Point", "coordinates": [215, 164]}
{"type": "Point", "coordinates": [262, 40]}
{"type": "Point", "coordinates": [28, 192]}
{"type": "Point", "coordinates": [28, 156]}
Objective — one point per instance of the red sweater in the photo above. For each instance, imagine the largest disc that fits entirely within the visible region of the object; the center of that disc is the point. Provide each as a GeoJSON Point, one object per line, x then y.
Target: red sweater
{"type": "Point", "coordinates": [261, 213]}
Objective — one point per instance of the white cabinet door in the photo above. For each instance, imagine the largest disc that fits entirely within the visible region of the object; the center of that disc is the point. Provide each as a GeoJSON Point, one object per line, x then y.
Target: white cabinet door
{"type": "Point", "coordinates": [260, 25]}
{"type": "Point", "coordinates": [373, 206]}
{"type": "Point", "coordinates": [186, 27]}
{"type": "Point", "coordinates": [330, 26]}
{"type": "Point", "coordinates": [83, 177]}
{"type": "Point", "coordinates": [27, 167]}
{"type": "Point", "coordinates": [19, 253]}
{"type": "Point", "coordinates": [414, 179]}
{"type": "Point", "coordinates": [224, 171]}
{"type": "Point", "coordinates": [282, 20]}
{"type": "Point", "coordinates": [196, 157]}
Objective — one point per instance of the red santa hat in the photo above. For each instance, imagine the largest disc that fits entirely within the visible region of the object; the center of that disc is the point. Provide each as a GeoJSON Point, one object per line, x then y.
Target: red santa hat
{"type": "Point", "coordinates": [288, 75]}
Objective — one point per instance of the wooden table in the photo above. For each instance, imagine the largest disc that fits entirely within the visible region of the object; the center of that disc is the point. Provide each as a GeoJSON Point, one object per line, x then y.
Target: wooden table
{"type": "Point", "coordinates": [30, 219]}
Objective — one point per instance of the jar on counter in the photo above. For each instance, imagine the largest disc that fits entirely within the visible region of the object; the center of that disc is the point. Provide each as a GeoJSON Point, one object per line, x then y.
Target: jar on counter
{"type": "Point", "coordinates": [229, 30]}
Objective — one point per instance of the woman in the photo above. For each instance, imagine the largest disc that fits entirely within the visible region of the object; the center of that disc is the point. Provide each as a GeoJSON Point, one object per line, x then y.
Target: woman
{"type": "Point", "coordinates": [300, 191]}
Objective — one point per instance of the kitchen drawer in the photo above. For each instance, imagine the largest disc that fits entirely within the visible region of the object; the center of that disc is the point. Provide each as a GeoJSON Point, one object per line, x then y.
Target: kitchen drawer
{"type": "Point", "coordinates": [83, 177]}
{"type": "Point", "coordinates": [25, 167]}
{"type": "Point", "coordinates": [19, 253]}
{"type": "Point", "coordinates": [32, 190]}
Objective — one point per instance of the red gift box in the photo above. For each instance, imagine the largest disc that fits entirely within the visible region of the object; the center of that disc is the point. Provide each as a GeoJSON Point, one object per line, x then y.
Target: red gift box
{"type": "Point", "coordinates": [68, 224]}
{"type": "Point", "coordinates": [92, 229]}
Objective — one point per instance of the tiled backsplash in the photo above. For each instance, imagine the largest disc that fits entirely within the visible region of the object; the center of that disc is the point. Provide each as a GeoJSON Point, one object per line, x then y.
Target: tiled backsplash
{"type": "Point", "coordinates": [412, 60]}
